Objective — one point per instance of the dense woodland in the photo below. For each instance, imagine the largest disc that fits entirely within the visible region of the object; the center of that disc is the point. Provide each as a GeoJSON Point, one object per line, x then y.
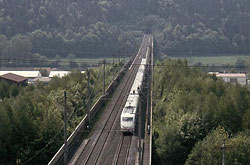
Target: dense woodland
{"type": "Point", "coordinates": [194, 113]}
{"type": "Point", "coordinates": [31, 118]}
{"type": "Point", "coordinates": [102, 28]}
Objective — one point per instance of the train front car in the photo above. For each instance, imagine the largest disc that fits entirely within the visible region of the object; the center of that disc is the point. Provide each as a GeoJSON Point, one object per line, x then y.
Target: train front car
{"type": "Point", "coordinates": [128, 116]}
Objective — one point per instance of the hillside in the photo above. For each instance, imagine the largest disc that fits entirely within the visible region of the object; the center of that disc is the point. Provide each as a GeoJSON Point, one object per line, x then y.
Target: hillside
{"type": "Point", "coordinates": [60, 27]}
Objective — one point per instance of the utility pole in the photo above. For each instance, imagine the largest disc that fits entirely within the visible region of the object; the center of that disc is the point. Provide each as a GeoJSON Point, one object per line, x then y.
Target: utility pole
{"type": "Point", "coordinates": [124, 55]}
{"type": "Point", "coordinates": [119, 54]}
{"type": "Point", "coordinates": [148, 96]}
{"type": "Point", "coordinates": [140, 129]}
{"type": "Point", "coordinates": [113, 68]}
{"type": "Point", "coordinates": [223, 147]}
{"type": "Point", "coordinates": [104, 63]}
{"type": "Point", "coordinates": [65, 132]}
{"type": "Point", "coordinates": [1, 144]}
{"type": "Point", "coordinates": [88, 74]}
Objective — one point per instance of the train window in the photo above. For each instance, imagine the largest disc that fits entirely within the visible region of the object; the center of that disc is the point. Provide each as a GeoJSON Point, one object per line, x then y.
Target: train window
{"type": "Point", "coordinates": [127, 119]}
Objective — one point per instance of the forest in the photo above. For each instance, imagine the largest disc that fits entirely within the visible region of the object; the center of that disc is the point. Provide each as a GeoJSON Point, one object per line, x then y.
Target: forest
{"type": "Point", "coordinates": [31, 118]}
{"type": "Point", "coordinates": [101, 28]}
{"type": "Point", "coordinates": [195, 114]}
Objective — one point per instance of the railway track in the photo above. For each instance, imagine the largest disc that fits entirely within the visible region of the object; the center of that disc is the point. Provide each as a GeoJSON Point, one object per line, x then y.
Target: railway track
{"type": "Point", "coordinates": [105, 139]}
{"type": "Point", "coordinates": [122, 150]}
{"type": "Point", "coordinates": [113, 142]}
{"type": "Point", "coordinates": [98, 145]}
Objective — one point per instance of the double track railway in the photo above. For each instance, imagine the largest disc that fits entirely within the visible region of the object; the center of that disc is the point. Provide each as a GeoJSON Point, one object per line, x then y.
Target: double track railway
{"type": "Point", "coordinates": [107, 144]}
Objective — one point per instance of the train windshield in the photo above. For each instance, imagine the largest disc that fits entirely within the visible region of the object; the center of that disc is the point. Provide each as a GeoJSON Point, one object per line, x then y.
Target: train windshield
{"type": "Point", "coordinates": [127, 119]}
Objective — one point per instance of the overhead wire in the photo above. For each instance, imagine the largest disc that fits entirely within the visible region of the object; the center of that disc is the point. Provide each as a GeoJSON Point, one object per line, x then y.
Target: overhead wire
{"type": "Point", "coordinates": [108, 52]}
{"type": "Point", "coordinates": [34, 61]}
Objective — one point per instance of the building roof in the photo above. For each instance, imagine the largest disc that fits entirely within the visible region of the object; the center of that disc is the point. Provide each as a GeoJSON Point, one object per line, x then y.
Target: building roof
{"type": "Point", "coordinates": [43, 79]}
{"type": "Point", "coordinates": [13, 77]}
{"type": "Point", "coordinates": [27, 74]}
{"type": "Point", "coordinates": [232, 75]}
{"type": "Point", "coordinates": [213, 73]}
{"type": "Point", "coordinates": [60, 73]}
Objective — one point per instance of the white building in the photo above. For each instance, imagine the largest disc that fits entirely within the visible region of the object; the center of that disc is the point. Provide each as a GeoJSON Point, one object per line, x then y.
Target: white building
{"type": "Point", "coordinates": [60, 73]}
{"type": "Point", "coordinates": [31, 75]}
{"type": "Point", "coordinates": [234, 78]}
{"type": "Point", "coordinates": [44, 80]}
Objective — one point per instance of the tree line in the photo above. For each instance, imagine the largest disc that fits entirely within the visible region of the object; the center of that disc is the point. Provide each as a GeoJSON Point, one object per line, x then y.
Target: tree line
{"type": "Point", "coordinates": [196, 114]}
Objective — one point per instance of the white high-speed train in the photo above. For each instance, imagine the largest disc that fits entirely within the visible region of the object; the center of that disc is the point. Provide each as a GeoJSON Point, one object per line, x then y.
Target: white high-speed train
{"type": "Point", "coordinates": [130, 110]}
{"type": "Point", "coordinates": [128, 116]}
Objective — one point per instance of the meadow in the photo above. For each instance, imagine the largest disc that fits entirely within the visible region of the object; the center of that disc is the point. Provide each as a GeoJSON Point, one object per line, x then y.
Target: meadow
{"type": "Point", "coordinates": [215, 60]}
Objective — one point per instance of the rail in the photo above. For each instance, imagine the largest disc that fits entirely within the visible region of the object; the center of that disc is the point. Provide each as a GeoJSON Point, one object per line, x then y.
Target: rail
{"type": "Point", "coordinates": [151, 101]}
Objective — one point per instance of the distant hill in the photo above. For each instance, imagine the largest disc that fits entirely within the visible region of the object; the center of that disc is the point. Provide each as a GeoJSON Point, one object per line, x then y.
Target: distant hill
{"type": "Point", "coordinates": [60, 27]}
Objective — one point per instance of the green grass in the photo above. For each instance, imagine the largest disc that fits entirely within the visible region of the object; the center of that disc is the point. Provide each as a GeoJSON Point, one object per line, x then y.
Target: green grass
{"type": "Point", "coordinates": [95, 60]}
{"type": "Point", "coordinates": [91, 60]}
{"type": "Point", "coordinates": [87, 62]}
{"type": "Point", "coordinates": [216, 60]}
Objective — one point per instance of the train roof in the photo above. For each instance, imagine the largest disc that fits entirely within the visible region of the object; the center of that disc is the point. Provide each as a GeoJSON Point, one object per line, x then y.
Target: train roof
{"type": "Point", "coordinates": [136, 86]}
{"type": "Point", "coordinates": [131, 104]}
{"type": "Point", "coordinates": [137, 82]}
{"type": "Point", "coordinates": [143, 61]}
{"type": "Point", "coordinates": [128, 115]}
{"type": "Point", "coordinates": [141, 69]}
{"type": "Point", "coordinates": [129, 109]}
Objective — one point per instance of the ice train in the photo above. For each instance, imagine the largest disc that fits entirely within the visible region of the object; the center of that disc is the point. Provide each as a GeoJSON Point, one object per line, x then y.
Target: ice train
{"type": "Point", "coordinates": [129, 113]}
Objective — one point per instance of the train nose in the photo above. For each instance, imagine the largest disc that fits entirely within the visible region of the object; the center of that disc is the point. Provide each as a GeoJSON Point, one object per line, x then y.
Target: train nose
{"type": "Point", "coordinates": [125, 128]}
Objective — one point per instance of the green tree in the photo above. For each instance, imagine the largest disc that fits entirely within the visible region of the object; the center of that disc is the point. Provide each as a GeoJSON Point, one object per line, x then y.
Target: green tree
{"type": "Point", "coordinates": [208, 151]}
{"type": "Point", "coordinates": [5, 133]}
{"type": "Point", "coordinates": [246, 120]}
{"type": "Point", "coordinates": [188, 105]}
{"type": "Point", "coordinates": [13, 91]}
{"type": "Point", "coordinates": [71, 57]}
{"type": "Point", "coordinates": [4, 89]}
{"type": "Point", "coordinates": [21, 47]}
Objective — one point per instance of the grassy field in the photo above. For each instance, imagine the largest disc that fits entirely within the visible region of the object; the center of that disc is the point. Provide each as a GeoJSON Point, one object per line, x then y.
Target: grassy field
{"type": "Point", "coordinates": [83, 63]}
{"type": "Point", "coordinates": [92, 60]}
{"type": "Point", "coordinates": [96, 60]}
{"type": "Point", "coordinates": [216, 60]}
